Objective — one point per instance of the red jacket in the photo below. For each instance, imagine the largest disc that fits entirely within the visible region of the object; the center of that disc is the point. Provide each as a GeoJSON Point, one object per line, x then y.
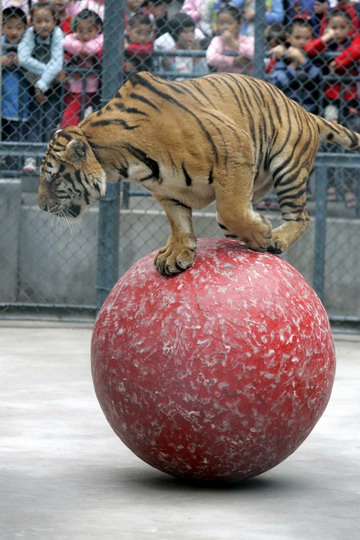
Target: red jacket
{"type": "Point", "coordinates": [345, 64]}
{"type": "Point", "coordinates": [140, 52]}
{"type": "Point", "coordinates": [65, 26]}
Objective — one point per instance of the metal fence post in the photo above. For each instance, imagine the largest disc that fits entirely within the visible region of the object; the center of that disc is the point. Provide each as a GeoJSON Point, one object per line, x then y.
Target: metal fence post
{"type": "Point", "coordinates": [109, 217]}
{"type": "Point", "coordinates": [320, 231]}
{"type": "Point", "coordinates": [259, 68]}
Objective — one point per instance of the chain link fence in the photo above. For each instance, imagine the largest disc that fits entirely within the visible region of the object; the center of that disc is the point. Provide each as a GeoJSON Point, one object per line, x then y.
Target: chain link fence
{"type": "Point", "coordinates": [63, 60]}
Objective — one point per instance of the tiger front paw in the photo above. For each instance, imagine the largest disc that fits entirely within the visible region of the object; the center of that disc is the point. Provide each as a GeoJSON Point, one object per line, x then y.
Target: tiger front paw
{"type": "Point", "coordinates": [173, 259]}
{"type": "Point", "coordinates": [261, 235]}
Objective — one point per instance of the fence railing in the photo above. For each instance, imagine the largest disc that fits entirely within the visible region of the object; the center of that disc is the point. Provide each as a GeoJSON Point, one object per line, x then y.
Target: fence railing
{"type": "Point", "coordinates": [128, 224]}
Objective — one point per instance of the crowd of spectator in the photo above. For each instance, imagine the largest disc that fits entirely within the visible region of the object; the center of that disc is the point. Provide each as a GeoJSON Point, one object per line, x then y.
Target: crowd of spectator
{"type": "Point", "coordinates": [52, 50]}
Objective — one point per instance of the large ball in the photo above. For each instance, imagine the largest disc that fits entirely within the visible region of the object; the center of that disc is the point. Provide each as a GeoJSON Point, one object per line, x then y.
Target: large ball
{"type": "Point", "coordinates": [218, 373]}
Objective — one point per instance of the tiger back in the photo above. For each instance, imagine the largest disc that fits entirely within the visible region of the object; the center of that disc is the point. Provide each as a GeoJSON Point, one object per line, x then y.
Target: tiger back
{"type": "Point", "coordinates": [224, 137]}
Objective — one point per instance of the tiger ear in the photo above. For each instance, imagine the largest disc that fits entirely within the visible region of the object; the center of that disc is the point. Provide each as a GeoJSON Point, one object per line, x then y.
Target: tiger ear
{"type": "Point", "coordinates": [76, 150]}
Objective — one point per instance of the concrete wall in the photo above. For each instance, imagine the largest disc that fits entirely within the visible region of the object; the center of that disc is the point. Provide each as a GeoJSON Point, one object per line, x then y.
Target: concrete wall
{"type": "Point", "coordinates": [57, 265]}
{"type": "Point", "coordinates": [43, 261]}
{"type": "Point", "coordinates": [10, 211]}
{"type": "Point", "coordinates": [342, 275]}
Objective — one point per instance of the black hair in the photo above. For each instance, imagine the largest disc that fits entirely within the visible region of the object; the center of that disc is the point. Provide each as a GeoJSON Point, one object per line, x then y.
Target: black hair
{"type": "Point", "coordinates": [275, 32]}
{"type": "Point", "coordinates": [232, 10]}
{"type": "Point", "coordinates": [155, 2]}
{"type": "Point", "coordinates": [299, 21]}
{"type": "Point", "coordinates": [139, 18]}
{"type": "Point", "coordinates": [178, 23]}
{"type": "Point", "coordinates": [14, 13]}
{"type": "Point", "coordinates": [340, 13]}
{"type": "Point", "coordinates": [42, 5]}
{"type": "Point", "coordinates": [85, 14]}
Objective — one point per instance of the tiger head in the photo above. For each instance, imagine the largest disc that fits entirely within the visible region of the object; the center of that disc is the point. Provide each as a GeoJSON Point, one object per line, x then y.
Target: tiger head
{"type": "Point", "coordinates": [71, 177]}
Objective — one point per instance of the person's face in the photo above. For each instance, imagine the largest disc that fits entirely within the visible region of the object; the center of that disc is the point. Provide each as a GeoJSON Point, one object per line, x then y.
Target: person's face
{"type": "Point", "coordinates": [158, 10]}
{"type": "Point", "coordinates": [141, 34]}
{"type": "Point", "coordinates": [341, 27]}
{"type": "Point", "coordinates": [299, 37]}
{"type": "Point", "coordinates": [86, 30]}
{"type": "Point", "coordinates": [186, 38]}
{"type": "Point", "coordinates": [13, 30]}
{"type": "Point", "coordinates": [60, 5]}
{"type": "Point", "coordinates": [43, 22]}
{"type": "Point", "coordinates": [226, 22]}
{"type": "Point", "coordinates": [133, 5]}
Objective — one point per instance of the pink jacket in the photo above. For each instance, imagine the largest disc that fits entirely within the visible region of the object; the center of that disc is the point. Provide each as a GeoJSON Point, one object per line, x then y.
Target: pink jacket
{"type": "Point", "coordinates": [201, 12]}
{"type": "Point", "coordinates": [92, 48]}
{"type": "Point", "coordinates": [215, 53]}
{"type": "Point", "coordinates": [194, 8]}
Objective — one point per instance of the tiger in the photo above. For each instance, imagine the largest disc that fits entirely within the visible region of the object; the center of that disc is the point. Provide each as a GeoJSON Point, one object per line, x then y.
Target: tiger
{"type": "Point", "coordinates": [222, 137]}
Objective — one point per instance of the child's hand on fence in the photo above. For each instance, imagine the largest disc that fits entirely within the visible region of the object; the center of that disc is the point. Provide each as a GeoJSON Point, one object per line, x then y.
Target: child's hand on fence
{"type": "Point", "coordinates": [296, 55]}
{"type": "Point", "coordinates": [249, 15]}
{"type": "Point", "coordinates": [39, 96]}
{"type": "Point", "coordinates": [129, 66]}
{"type": "Point", "coordinates": [332, 67]}
{"type": "Point", "coordinates": [242, 62]}
{"type": "Point", "coordinates": [9, 59]}
{"type": "Point", "coordinates": [13, 58]}
{"type": "Point", "coordinates": [229, 39]}
{"type": "Point", "coordinates": [278, 52]}
{"type": "Point", "coordinates": [16, 59]}
{"type": "Point", "coordinates": [328, 35]}
{"type": "Point", "coordinates": [83, 53]}
{"type": "Point", "coordinates": [61, 77]}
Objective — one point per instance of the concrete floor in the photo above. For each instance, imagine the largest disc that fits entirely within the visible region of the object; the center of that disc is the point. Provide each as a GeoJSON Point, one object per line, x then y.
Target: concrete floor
{"type": "Point", "coordinates": [65, 475]}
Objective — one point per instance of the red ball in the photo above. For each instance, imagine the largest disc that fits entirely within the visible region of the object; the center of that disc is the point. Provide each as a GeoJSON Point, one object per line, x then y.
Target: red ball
{"type": "Point", "coordinates": [218, 373]}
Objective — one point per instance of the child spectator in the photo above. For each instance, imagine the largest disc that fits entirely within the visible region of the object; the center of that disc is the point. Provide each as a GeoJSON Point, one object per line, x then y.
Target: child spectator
{"type": "Point", "coordinates": [313, 10]}
{"type": "Point", "coordinates": [293, 72]}
{"type": "Point", "coordinates": [139, 43]}
{"type": "Point", "coordinates": [62, 17]}
{"type": "Point", "coordinates": [230, 40]}
{"type": "Point", "coordinates": [14, 85]}
{"type": "Point", "coordinates": [352, 8]}
{"type": "Point", "coordinates": [338, 37]}
{"type": "Point", "coordinates": [275, 35]}
{"type": "Point", "coordinates": [274, 13]}
{"type": "Point", "coordinates": [134, 6]}
{"type": "Point", "coordinates": [203, 13]}
{"type": "Point", "coordinates": [157, 10]}
{"type": "Point", "coordinates": [41, 53]}
{"type": "Point", "coordinates": [166, 41]}
{"type": "Point", "coordinates": [182, 32]}
{"type": "Point", "coordinates": [84, 47]}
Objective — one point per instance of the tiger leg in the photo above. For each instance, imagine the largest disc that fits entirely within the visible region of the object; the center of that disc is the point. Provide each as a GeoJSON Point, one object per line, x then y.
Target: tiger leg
{"type": "Point", "coordinates": [227, 233]}
{"type": "Point", "coordinates": [292, 200]}
{"type": "Point", "coordinates": [179, 252]}
{"type": "Point", "coordinates": [235, 214]}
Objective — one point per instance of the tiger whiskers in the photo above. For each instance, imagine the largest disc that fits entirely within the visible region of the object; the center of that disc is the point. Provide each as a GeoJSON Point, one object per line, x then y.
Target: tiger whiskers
{"type": "Point", "coordinates": [67, 218]}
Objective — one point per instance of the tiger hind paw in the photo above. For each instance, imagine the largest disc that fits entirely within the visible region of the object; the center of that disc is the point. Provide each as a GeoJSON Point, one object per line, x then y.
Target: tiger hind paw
{"type": "Point", "coordinates": [170, 261]}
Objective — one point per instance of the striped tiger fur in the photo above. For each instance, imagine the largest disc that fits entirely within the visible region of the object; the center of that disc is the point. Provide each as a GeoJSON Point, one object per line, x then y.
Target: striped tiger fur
{"type": "Point", "coordinates": [224, 137]}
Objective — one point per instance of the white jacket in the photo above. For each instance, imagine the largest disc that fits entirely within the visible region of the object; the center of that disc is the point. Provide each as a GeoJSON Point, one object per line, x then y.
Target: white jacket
{"type": "Point", "coordinates": [44, 73]}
